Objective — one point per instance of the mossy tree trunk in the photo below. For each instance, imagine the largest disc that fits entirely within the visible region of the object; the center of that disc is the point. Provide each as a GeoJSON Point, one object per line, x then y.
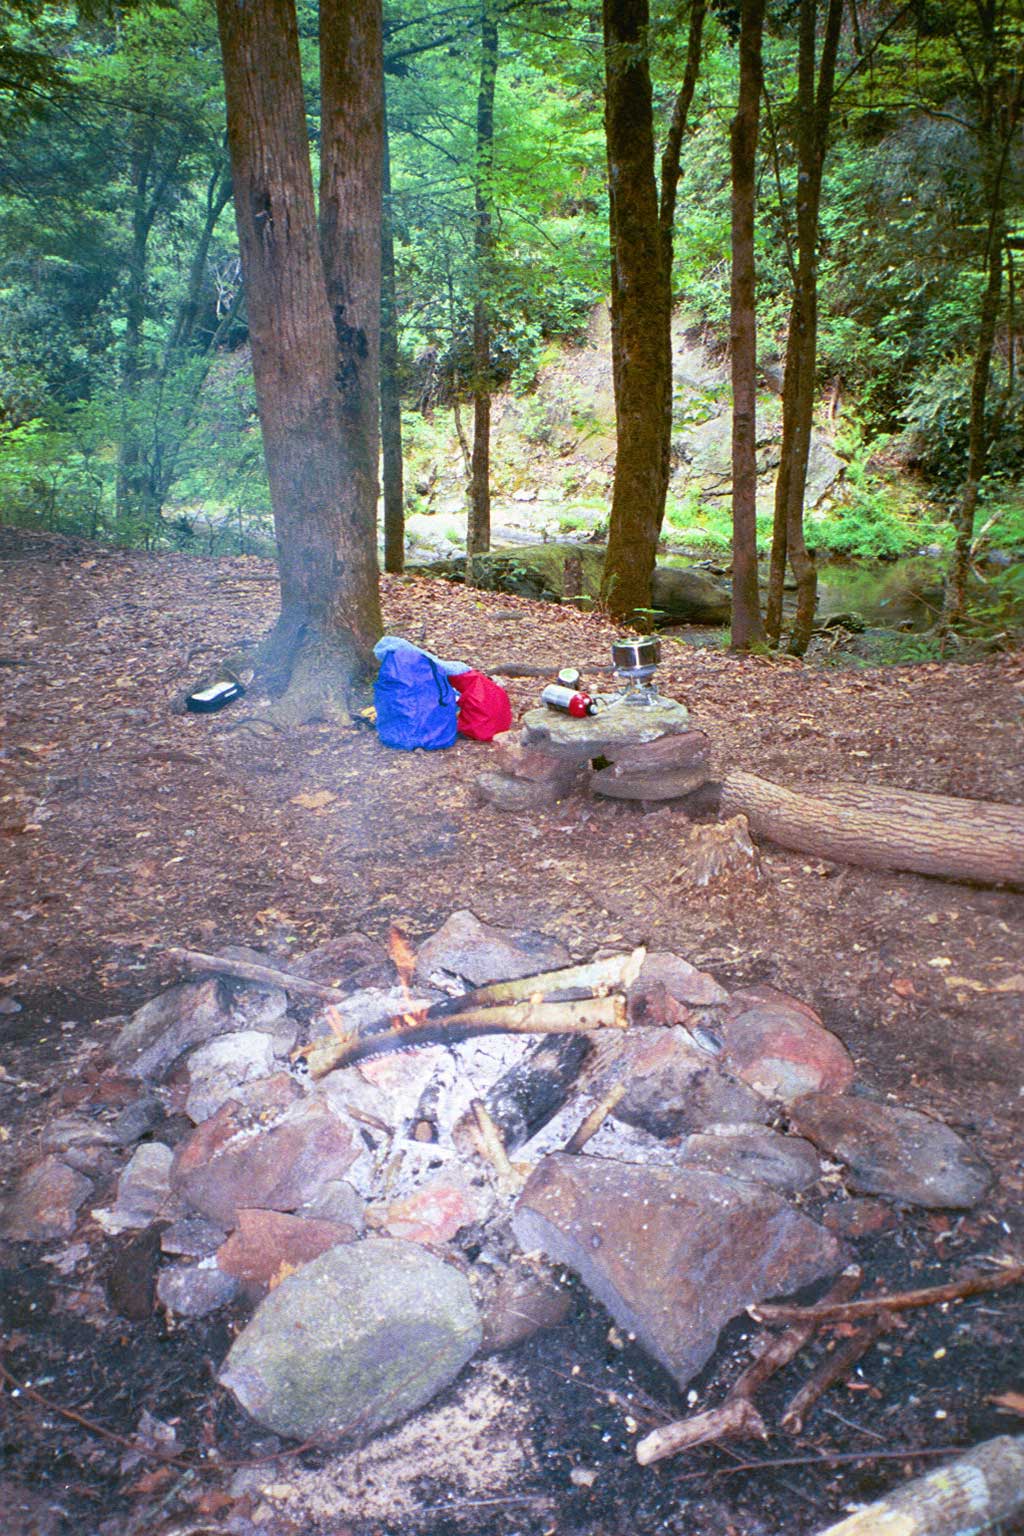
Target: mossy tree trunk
{"type": "Point", "coordinates": [390, 389]}
{"type": "Point", "coordinates": [641, 313]}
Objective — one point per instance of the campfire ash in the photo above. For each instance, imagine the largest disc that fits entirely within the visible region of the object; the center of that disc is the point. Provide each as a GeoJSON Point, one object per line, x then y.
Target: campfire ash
{"type": "Point", "coordinates": [433, 1140]}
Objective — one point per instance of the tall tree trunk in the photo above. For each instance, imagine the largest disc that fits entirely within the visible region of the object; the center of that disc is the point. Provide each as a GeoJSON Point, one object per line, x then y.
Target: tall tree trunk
{"type": "Point", "coordinates": [747, 629]}
{"type": "Point", "coordinates": [135, 509]}
{"type": "Point", "coordinates": [478, 531]}
{"type": "Point", "coordinates": [814, 107]}
{"type": "Point", "coordinates": [641, 314]}
{"type": "Point", "coordinates": [314, 334]}
{"type": "Point", "coordinates": [994, 157]}
{"type": "Point", "coordinates": [670, 159]}
{"type": "Point", "coordinates": [390, 393]}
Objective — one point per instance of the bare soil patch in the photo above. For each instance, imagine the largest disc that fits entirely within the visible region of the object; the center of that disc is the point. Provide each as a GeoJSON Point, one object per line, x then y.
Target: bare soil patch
{"type": "Point", "coordinates": [126, 829]}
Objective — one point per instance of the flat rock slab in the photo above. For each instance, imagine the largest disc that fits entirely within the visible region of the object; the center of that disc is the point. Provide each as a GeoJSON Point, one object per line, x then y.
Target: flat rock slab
{"type": "Point", "coordinates": [613, 727]}
{"type": "Point", "coordinates": [143, 1190]}
{"type": "Point", "coordinates": [754, 1152]}
{"type": "Point", "coordinates": [482, 953]}
{"type": "Point", "coordinates": [895, 1152]}
{"type": "Point", "coordinates": [355, 1340]}
{"type": "Point", "coordinates": [673, 1254]}
{"type": "Point", "coordinates": [659, 784]}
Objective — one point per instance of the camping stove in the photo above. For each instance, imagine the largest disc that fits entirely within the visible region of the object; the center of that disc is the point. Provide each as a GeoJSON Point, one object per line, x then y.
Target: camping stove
{"type": "Point", "coordinates": [635, 662]}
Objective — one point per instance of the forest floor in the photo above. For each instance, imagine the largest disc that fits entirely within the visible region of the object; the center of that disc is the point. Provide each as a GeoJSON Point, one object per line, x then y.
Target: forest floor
{"type": "Point", "coordinates": [128, 829]}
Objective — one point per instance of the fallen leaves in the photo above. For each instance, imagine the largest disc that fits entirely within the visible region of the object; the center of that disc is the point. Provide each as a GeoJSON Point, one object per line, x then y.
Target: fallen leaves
{"type": "Point", "coordinates": [314, 799]}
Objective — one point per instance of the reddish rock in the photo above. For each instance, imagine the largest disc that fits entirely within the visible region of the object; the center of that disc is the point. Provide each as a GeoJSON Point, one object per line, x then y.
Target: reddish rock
{"type": "Point", "coordinates": [510, 756]}
{"type": "Point", "coordinates": [895, 1152]}
{"type": "Point", "coordinates": [351, 961]}
{"type": "Point", "coordinates": [781, 1047]}
{"type": "Point", "coordinates": [673, 1254]}
{"type": "Point", "coordinates": [672, 1087]}
{"type": "Point", "coordinates": [680, 979]}
{"type": "Point", "coordinates": [432, 1215]}
{"type": "Point", "coordinates": [517, 1302]}
{"type": "Point", "coordinates": [233, 1160]}
{"type": "Point", "coordinates": [44, 1203]}
{"type": "Point", "coordinates": [270, 1244]}
{"type": "Point", "coordinates": [859, 1218]}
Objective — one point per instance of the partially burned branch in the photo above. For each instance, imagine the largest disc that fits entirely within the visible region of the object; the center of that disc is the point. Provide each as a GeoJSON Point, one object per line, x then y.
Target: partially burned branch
{"type": "Point", "coordinates": [261, 975]}
{"type": "Point", "coordinates": [489, 1142]}
{"type": "Point", "coordinates": [615, 973]}
{"type": "Point", "coordinates": [593, 1122]}
{"type": "Point", "coordinates": [533, 1090]}
{"type": "Point", "coordinates": [323, 1056]}
{"type": "Point", "coordinates": [899, 1301]}
{"type": "Point", "coordinates": [737, 1416]}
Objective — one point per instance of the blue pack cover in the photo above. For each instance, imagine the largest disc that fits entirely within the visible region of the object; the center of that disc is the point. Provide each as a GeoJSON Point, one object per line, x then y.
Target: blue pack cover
{"type": "Point", "coordinates": [416, 705]}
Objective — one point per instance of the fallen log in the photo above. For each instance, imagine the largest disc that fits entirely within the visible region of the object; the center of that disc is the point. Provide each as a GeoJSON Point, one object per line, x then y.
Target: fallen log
{"type": "Point", "coordinates": [882, 828]}
{"type": "Point", "coordinates": [968, 1495]}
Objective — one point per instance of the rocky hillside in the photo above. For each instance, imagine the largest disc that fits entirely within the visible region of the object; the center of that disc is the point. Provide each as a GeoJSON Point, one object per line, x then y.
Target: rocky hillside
{"type": "Point", "coordinates": [553, 452]}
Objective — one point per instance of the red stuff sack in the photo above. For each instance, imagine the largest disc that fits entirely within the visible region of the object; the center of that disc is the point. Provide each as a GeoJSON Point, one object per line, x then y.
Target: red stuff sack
{"type": "Point", "coordinates": [484, 706]}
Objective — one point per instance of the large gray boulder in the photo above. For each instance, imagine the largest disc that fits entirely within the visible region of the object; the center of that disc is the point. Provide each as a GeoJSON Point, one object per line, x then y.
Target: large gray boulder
{"type": "Point", "coordinates": [690, 596]}
{"type": "Point", "coordinates": [355, 1340]}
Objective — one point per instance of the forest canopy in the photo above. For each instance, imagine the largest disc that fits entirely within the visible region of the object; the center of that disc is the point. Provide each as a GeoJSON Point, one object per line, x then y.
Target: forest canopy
{"type": "Point", "coordinates": [126, 394]}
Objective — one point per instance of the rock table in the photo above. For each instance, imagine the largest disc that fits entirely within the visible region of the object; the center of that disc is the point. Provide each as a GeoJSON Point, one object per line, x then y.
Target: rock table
{"type": "Point", "coordinates": [629, 752]}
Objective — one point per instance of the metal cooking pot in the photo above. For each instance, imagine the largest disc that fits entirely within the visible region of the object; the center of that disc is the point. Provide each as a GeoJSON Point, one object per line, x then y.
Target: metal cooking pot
{"type": "Point", "coordinates": [630, 654]}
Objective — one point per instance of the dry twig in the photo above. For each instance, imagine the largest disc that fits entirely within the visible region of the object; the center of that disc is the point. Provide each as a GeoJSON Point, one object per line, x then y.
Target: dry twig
{"type": "Point", "coordinates": [737, 1415]}
{"type": "Point", "coordinates": [898, 1301]}
{"type": "Point", "coordinates": [834, 1367]}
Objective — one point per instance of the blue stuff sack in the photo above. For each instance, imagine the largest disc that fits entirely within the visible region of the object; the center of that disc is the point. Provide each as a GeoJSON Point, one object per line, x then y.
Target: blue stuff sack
{"type": "Point", "coordinates": [416, 704]}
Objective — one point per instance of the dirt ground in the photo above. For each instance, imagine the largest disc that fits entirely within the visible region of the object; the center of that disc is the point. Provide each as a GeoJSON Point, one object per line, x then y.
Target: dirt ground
{"type": "Point", "coordinates": [128, 829]}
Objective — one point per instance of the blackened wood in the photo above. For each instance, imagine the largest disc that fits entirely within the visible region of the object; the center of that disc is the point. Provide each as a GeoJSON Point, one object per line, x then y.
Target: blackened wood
{"type": "Point", "coordinates": [529, 1095]}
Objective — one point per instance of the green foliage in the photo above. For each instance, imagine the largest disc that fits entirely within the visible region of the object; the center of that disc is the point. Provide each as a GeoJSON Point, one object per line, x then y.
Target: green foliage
{"type": "Point", "coordinates": [55, 478]}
